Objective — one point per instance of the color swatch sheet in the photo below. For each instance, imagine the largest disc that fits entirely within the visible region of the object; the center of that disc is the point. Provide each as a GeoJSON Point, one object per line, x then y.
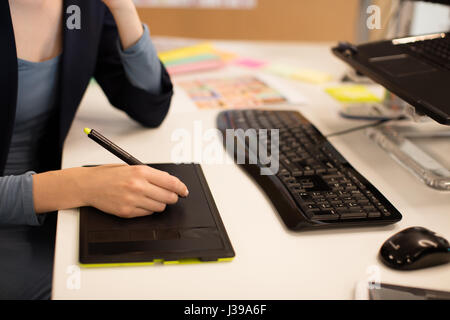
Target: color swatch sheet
{"type": "Point", "coordinates": [232, 93]}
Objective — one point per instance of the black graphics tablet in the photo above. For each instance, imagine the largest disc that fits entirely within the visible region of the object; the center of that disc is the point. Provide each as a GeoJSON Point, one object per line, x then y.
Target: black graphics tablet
{"type": "Point", "coordinates": [189, 231]}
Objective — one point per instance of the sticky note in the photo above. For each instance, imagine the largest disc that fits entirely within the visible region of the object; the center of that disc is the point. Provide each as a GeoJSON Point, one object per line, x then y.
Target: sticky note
{"type": "Point", "coordinates": [352, 93]}
{"type": "Point", "coordinates": [192, 59]}
{"type": "Point", "coordinates": [249, 63]}
{"type": "Point", "coordinates": [300, 74]}
{"type": "Point", "coordinates": [312, 76]}
{"type": "Point", "coordinates": [195, 67]}
{"type": "Point", "coordinates": [279, 69]}
{"type": "Point", "coordinates": [225, 56]}
{"type": "Point", "coordinates": [185, 52]}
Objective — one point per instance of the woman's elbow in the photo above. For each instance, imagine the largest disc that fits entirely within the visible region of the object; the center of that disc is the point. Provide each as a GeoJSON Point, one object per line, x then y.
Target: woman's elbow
{"type": "Point", "coordinates": [154, 118]}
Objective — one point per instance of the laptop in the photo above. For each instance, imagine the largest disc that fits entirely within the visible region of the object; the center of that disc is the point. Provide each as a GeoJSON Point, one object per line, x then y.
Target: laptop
{"type": "Point", "coordinates": [417, 69]}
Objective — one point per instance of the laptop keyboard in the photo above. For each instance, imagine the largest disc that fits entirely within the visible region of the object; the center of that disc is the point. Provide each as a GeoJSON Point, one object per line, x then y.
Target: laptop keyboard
{"type": "Point", "coordinates": [435, 50]}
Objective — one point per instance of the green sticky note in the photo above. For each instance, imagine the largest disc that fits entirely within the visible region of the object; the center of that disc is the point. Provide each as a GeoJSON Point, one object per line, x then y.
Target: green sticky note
{"type": "Point", "coordinates": [354, 93]}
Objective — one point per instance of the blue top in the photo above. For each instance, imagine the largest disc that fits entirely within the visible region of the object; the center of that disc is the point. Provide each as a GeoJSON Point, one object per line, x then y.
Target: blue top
{"type": "Point", "coordinates": [36, 100]}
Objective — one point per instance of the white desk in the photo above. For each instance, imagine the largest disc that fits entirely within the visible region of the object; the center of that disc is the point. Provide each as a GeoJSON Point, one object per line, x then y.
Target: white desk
{"type": "Point", "coordinates": [304, 265]}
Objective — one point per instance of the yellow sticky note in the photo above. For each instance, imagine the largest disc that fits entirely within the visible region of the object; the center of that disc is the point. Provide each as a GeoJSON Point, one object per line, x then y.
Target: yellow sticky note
{"type": "Point", "coordinates": [312, 76]}
{"type": "Point", "coordinates": [279, 69]}
{"type": "Point", "coordinates": [185, 52]}
{"type": "Point", "coordinates": [305, 75]}
{"type": "Point", "coordinates": [352, 93]}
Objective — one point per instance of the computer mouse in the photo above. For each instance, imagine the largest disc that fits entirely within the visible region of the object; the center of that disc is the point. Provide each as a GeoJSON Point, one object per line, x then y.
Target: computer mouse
{"type": "Point", "coordinates": [415, 248]}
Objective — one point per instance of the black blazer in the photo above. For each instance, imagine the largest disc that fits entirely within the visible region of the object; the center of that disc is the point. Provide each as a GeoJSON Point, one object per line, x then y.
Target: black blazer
{"type": "Point", "coordinates": [88, 52]}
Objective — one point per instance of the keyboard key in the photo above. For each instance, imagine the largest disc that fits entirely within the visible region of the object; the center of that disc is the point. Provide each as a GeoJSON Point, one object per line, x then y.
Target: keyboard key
{"type": "Point", "coordinates": [373, 214]}
{"type": "Point", "coordinates": [323, 204]}
{"type": "Point", "coordinates": [324, 215]}
{"type": "Point", "coordinates": [354, 215]}
{"type": "Point", "coordinates": [297, 173]}
{"type": "Point", "coordinates": [385, 212]}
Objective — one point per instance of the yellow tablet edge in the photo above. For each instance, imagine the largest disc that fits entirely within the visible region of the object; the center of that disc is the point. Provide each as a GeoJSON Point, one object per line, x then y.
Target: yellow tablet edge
{"type": "Point", "coordinates": [135, 264]}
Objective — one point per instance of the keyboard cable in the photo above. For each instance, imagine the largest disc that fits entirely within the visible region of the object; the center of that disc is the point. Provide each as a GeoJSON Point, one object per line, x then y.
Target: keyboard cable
{"type": "Point", "coordinates": [370, 125]}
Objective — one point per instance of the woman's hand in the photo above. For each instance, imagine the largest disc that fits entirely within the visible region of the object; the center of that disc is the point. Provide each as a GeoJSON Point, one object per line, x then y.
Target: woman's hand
{"type": "Point", "coordinates": [127, 20]}
{"type": "Point", "coordinates": [132, 191]}
{"type": "Point", "coordinates": [122, 190]}
{"type": "Point", "coordinates": [118, 4]}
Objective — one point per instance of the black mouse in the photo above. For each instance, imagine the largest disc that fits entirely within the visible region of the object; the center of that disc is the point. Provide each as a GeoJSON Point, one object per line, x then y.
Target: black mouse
{"type": "Point", "coordinates": [415, 248]}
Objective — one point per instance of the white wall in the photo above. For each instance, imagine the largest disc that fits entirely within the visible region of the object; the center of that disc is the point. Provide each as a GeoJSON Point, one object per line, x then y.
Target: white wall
{"type": "Point", "coordinates": [429, 18]}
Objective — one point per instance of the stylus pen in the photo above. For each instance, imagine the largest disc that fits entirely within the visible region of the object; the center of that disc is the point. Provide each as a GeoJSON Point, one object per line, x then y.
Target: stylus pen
{"type": "Point", "coordinates": [112, 147]}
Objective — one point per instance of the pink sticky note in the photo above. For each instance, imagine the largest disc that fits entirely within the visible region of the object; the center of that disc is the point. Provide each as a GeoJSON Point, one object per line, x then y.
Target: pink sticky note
{"type": "Point", "coordinates": [249, 63]}
{"type": "Point", "coordinates": [196, 66]}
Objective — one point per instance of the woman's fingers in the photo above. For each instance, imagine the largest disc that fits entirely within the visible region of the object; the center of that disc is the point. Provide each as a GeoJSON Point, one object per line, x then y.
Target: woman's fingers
{"type": "Point", "coordinates": [132, 191]}
{"type": "Point", "coordinates": [142, 206]}
{"type": "Point", "coordinates": [139, 212]}
{"type": "Point", "coordinates": [164, 180]}
{"type": "Point", "coordinates": [160, 194]}
{"type": "Point", "coordinates": [150, 204]}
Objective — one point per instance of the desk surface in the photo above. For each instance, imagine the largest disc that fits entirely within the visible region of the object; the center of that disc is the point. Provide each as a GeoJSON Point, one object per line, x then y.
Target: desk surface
{"type": "Point", "coordinates": [305, 265]}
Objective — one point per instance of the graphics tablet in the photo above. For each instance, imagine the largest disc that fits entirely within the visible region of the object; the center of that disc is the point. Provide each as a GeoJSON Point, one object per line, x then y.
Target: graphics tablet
{"type": "Point", "coordinates": [189, 231]}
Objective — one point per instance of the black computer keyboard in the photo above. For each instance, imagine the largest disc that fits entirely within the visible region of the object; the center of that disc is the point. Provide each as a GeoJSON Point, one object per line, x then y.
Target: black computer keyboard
{"type": "Point", "coordinates": [437, 51]}
{"type": "Point", "coordinates": [314, 187]}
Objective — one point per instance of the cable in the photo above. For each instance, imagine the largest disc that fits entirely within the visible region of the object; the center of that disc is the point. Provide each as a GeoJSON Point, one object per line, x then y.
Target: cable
{"type": "Point", "coordinates": [374, 124]}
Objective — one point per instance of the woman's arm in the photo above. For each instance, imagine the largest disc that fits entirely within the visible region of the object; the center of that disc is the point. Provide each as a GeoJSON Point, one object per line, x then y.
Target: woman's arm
{"type": "Point", "coordinates": [16, 200]}
{"type": "Point", "coordinates": [113, 73]}
{"type": "Point", "coordinates": [142, 65]}
{"type": "Point", "coordinates": [139, 57]}
{"type": "Point", "coordinates": [127, 20]}
{"type": "Point", "coordinates": [122, 190]}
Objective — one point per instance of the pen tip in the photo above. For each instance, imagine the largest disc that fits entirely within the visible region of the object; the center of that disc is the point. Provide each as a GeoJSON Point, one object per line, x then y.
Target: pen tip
{"type": "Point", "coordinates": [87, 130]}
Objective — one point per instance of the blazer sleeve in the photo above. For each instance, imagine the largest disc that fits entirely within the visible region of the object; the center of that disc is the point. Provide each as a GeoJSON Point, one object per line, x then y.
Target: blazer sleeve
{"type": "Point", "coordinates": [146, 108]}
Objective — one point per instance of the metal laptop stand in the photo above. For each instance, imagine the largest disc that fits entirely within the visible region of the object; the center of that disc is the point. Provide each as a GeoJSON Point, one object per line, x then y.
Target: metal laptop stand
{"type": "Point", "coordinates": [419, 144]}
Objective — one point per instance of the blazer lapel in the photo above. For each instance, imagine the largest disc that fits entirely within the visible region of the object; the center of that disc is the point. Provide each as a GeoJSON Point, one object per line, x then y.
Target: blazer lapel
{"type": "Point", "coordinates": [8, 81]}
{"type": "Point", "coordinates": [78, 60]}
{"type": "Point", "coordinates": [68, 77]}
